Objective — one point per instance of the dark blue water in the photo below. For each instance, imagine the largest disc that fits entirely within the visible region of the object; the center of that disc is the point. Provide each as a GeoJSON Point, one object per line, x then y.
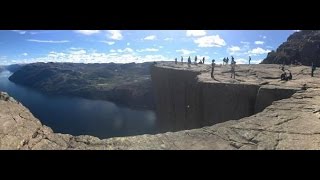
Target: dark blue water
{"type": "Point", "coordinates": [79, 116]}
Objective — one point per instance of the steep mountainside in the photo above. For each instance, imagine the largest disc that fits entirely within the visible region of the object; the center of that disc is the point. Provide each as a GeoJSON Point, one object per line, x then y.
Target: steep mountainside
{"type": "Point", "coordinates": [301, 47]}
{"type": "Point", "coordinates": [127, 84]}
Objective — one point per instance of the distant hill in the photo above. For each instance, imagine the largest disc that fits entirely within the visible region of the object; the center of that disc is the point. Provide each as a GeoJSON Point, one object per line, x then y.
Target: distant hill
{"type": "Point", "coordinates": [301, 47]}
{"type": "Point", "coordinates": [14, 67]}
{"type": "Point", "coordinates": [127, 84]}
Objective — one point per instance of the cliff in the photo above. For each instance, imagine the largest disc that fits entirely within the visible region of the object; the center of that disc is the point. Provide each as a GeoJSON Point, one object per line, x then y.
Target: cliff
{"type": "Point", "coordinates": [126, 84]}
{"type": "Point", "coordinates": [252, 121]}
{"type": "Point", "coordinates": [301, 47]}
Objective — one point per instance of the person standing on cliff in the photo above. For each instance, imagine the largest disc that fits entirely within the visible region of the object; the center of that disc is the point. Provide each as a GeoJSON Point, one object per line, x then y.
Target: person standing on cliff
{"type": "Point", "coordinates": [233, 66]}
{"type": "Point", "coordinates": [227, 60]}
{"type": "Point", "coordinates": [212, 68]}
{"type": "Point", "coordinates": [176, 60]}
{"type": "Point", "coordinates": [313, 68]}
{"type": "Point", "coordinates": [189, 61]}
{"type": "Point", "coordinates": [195, 60]}
{"type": "Point", "coordinates": [181, 60]}
{"type": "Point", "coordinates": [249, 59]}
{"type": "Point", "coordinates": [203, 60]}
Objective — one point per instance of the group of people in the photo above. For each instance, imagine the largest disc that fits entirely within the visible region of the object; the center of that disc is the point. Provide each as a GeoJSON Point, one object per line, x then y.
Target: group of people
{"type": "Point", "coordinates": [189, 60]}
{"type": "Point", "coordinates": [233, 66]}
{"type": "Point", "coordinates": [287, 75]}
{"type": "Point", "coordinates": [225, 60]}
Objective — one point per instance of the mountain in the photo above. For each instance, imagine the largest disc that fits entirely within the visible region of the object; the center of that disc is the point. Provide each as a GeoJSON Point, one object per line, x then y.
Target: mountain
{"type": "Point", "coordinates": [14, 67]}
{"type": "Point", "coordinates": [127, 84]}
{"type": "Point", "coordinates": [301, 47]}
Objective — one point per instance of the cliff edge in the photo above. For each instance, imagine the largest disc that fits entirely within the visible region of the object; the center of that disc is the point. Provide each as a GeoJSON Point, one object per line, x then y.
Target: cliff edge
{"type": "Point", "coordinates": [290, 123]}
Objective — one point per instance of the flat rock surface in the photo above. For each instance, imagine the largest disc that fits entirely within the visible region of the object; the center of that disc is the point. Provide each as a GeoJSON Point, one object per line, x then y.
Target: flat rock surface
{"type": "Point", "coordinates": [292, 123]}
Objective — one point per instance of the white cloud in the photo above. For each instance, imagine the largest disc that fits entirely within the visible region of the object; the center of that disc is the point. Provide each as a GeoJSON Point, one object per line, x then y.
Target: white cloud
{"type": "Point", "coordinates": [196, 33]}
{"type": "Point", "coordinates": [259, 42]}
{"type": "Point", "coordinates": [108, 42]}
{"type": "Point", "coordinates": [168, 39]}
{"type": "Point", "coordinates": [148, 50]}
{"type": "Point", "coordinates": [94, 57]}
{"type": "Point", "coordinates": [296, 30]}
{"type": "Point", "coordinates": [264, 37]}
{"type": "Point", "coordinates": [128, 44]}
{"type": "Point", "coordinates": [244, 42]}
{"type": "Point", "coordinates": [160, 47]}
{"type": "Point", "coordinates": [20, 31]}
{"type": "Point", "coordinates": [88, 32]}
{"type": "Point", "coordinates": [151, 37]}
{"type": "Point", "coordinates": [210, 41]}
{"type": "Point", "coordinates": [115, 34]}
{"type": "Point", "coordinates": [125, 50]}
{"type": "Point", "coordinates": [47, 41]}
{"type": "Point", "coordinates": [257, 51]}
{"type": "Point", "coordinates": [241, 60]}
{"type": "Point", "coordinates": [82, 51]}
{"type": "Point", "coordinates": [24, 54]}
{"type": "Point", "coordinates": [112, 51]}
{"type": "Point", "coordinates": [256, 61]}
{"type": "Point", "coordinates": [185, 52]}
{"type": "Point", "coordinates": [234, 48]}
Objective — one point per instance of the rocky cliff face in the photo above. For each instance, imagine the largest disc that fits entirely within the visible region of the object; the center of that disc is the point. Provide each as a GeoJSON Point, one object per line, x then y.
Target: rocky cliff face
{"type": "Point", "coordinates": [301, 47]}
{"type": "Point", "coordinates": [291, 123]}
{"type": "Point", "coordinates": [186, 99]}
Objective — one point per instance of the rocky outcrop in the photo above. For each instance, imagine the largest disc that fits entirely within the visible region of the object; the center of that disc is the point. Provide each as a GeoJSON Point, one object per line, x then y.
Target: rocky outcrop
{"type": "Point", "coordinates": [301, 47]}
{"type": "Point", "coordinates": [292, 123]}
{"type": "Point", "coordinates": [189, 98]}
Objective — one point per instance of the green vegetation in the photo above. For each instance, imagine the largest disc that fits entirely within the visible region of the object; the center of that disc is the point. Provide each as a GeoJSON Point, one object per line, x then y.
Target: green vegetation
{"type": "Point", "coordinates": [127, 84]}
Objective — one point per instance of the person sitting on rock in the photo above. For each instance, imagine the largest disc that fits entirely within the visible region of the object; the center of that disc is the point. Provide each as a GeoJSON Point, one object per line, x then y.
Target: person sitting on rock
{"type": "Point", "coordinates": [283, 76]}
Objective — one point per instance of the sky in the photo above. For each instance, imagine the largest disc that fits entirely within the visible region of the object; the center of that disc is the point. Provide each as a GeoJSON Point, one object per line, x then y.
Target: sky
{"type": "Point", "coordinates": [125, 46]}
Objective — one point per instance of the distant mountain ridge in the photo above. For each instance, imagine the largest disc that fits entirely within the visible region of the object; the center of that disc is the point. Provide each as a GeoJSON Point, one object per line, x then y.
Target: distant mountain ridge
{"type": "Point", "coordinates": [301, 47]}
{"type": "Point", "coordinates": [127, 84]}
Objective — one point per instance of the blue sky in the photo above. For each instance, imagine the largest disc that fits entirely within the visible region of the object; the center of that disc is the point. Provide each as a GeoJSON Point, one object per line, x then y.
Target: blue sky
{"type": "Point", "coordinates": [123, 46]}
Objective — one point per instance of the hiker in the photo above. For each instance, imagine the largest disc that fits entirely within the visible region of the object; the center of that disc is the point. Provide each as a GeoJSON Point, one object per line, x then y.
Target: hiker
{"type": "Point", "coordinates": [181, 60]}
{"type": "Point", "coordinates": [233, 65]}
{"type": "Point", "coordinates": [203, 60]}
{"type": "Point", "coordinates": [223, 61]}
{"type": "Point", "coordinates": [212, 68]}
{"type": "Point", "coordinates": [249, 59]}
{"type": "Point", "coordinates": [176, 60]}
{"type": "Point", "coordinates": [313, 68]}
{"type": "Point", "coordinates": [189, 61]}
{"type": "Point", "coordinates": [232, 60]}
{"type": "Point", "coordinates": [195, 60]}
{"type": "Point", "coordinates": [290, 76]}
{"type": "Point", "coordinates": [227, 60]}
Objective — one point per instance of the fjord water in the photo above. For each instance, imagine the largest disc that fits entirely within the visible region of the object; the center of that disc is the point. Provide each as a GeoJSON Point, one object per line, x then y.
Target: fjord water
{"type": "Point", "coordinates": [78, 116]}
